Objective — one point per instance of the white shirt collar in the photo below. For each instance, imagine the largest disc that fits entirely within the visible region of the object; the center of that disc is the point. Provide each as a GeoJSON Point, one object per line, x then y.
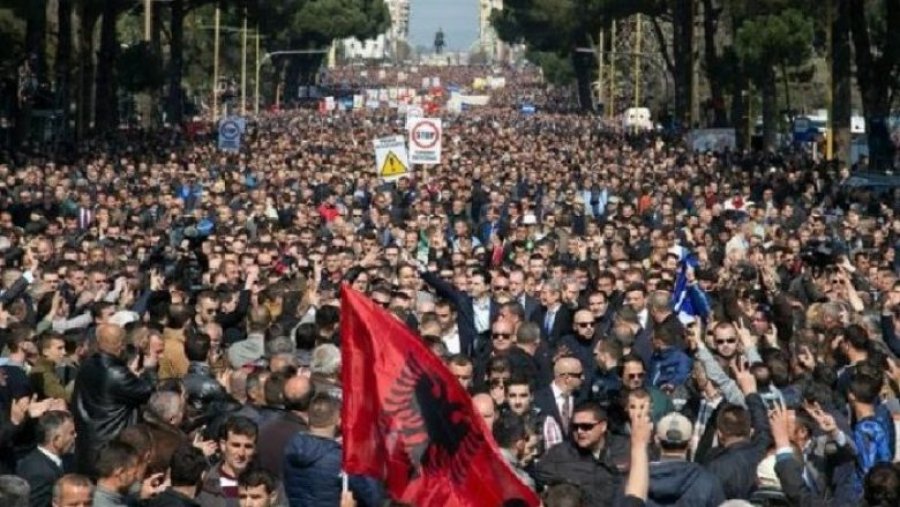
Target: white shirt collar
{"type": "Point", "coordinates": [53, 457]}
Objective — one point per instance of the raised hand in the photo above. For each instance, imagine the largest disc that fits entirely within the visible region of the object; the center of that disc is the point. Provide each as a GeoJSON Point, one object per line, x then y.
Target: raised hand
{"type": "Point", "coordinates": [744, 377]}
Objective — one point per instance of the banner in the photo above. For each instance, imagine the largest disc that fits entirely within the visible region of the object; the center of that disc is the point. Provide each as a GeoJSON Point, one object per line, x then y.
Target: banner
{"type": "Point", "coordinates": [713, 140]}
{"type": "Point", "coordinates": [414, 426]}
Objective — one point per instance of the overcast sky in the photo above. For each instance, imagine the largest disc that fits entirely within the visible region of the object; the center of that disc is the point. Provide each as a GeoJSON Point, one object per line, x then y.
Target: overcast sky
{"type": "Point", "coordinates": [458, 18]}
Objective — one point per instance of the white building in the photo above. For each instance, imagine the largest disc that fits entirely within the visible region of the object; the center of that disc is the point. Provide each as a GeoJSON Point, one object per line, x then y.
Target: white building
{"type": "Point", "coordinates": [371, 49]}
{"type": "Point", "coordinates": [385, 45]}
{"type": "Point", "coordinates": [493, 47]}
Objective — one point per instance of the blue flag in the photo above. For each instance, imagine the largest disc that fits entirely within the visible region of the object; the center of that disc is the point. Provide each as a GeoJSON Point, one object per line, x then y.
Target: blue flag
{"type": "Point", "coordinates": [689, 301]}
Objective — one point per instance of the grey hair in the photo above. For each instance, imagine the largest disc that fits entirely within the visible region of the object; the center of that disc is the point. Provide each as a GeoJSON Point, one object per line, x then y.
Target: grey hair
{"type": "Point", "coordinates": [79, 481]}
{"type": "Point", "coordinates": [14, 491]}
{"type": "Point", "coordinates": [280, 345]}
{"type": "Point", "coordinates": [326, 360]}
{"type": "Point", "coordinates": [49, 424]}
{"type": "Point", "coordinates": [164, 405]}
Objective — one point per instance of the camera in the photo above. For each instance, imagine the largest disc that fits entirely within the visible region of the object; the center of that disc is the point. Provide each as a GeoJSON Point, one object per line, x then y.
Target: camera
{"type": "Point", "coordinates": [819, 254]}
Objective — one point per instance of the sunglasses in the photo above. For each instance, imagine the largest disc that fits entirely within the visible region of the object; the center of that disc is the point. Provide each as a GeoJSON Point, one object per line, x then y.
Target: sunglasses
{"type": "Point", "coordinates": [584, 426]}
{"type": "Point", "coordinates": [584, 324]}
{"type": "Point", "coordinates": [503, 336]}
{"type": "Point", "coordinates": [729, 341]}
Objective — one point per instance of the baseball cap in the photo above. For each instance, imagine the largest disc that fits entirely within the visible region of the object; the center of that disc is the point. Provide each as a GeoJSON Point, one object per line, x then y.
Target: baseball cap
{"type": "Point", "coordinates": [674, 428]}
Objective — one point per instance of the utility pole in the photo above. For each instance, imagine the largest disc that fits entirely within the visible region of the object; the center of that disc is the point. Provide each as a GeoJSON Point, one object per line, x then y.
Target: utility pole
{"type": "Point", "coordinates": [215, 85]}
{"type": "Point", "coordinates": [637, 61]}
{"type": "Point", "coordinates": [612, 71]}
{"type": "Point", "coordinates": [600, 76]}
{"type": "Point", "coordinates": [148, 19]}
{"type": "Point", "coordinates": [256, 80]}
{"type": "Point", "coordinates": [829, 96]}
{"type": "Point", "coordinates": [244, 66]}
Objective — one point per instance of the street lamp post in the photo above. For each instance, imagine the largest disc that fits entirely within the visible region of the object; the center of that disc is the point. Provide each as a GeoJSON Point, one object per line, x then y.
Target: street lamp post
{"type": "Point", "coordinates": [244, 66]}
{"type": "Point", "coordinates": [215, 84]}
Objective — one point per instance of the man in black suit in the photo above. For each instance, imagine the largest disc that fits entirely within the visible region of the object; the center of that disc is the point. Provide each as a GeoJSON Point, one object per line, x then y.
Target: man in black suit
{"type": "Point", "coordinates": [558, 399]}
{"type": "Point", "coordinates": [42, 467]}
{"type": "Point", "coordinates": [474, 312]}
{"type": "Point", "coordinates": [554, 317]}
{"type": "Point", "coordinates": [517, 290]}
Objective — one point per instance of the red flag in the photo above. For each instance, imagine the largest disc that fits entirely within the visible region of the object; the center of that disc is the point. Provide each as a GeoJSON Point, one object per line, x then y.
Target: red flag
{"type": "Point", "coordinates": [406, 420]}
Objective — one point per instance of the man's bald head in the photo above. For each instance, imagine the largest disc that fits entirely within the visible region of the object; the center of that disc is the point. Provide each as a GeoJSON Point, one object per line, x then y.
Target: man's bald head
{"type": "Point", "coordinates": [566, 364]}
{"type": "Point", "coordinates": [484, 404]}
{"type": "Point", "coordinates": [298, 392]}
{"type": "Point", "coordinates": [111, 339]}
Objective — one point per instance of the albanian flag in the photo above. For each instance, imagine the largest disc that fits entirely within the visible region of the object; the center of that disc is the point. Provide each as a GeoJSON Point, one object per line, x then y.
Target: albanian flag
{"type": "Point", "coordinates": [407, 421]}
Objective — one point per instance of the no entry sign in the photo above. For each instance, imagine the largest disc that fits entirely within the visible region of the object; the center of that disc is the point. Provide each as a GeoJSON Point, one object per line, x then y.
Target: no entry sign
{"type": "Point", "coordinates": [425, 141]}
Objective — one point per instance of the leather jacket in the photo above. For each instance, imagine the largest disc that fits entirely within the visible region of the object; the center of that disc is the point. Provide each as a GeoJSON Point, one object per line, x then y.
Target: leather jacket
{"type": "Point", "coordinates": [107, 398]}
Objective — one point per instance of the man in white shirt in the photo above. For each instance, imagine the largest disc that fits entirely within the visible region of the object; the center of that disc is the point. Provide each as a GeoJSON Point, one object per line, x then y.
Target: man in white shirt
{"type": "Point", "coordinates": [558, 399]}
{"type": "Point", "coordinates": [636, 298]}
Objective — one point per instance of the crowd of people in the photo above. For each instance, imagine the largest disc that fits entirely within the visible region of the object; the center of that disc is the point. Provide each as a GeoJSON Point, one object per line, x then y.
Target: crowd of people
{"type": "Point", "coordinates": [637, 324]}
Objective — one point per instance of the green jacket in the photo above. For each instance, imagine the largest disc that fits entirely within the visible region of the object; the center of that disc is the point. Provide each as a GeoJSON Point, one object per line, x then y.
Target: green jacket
{"type": "Point", "coordinates": [46, 382]}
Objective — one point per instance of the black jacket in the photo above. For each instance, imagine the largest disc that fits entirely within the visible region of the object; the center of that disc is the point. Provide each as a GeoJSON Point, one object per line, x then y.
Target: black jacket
{"type": "Point", "coordinates": [203, 390]}
{"type": "Point", "coordinates": [736, 464]}
{"type": "Point", "coordinates": [599, 478]}
{"type": "Point", "coordinates": [41, 473]}
{"type": "Point", "coordinates": [106, 399]}
{"type": "Point", "coordinates": [683, 483]}
{"type": "Point", "coordinates": [465, 310]}
{"type": "Point", "coordinates": [170, 498]}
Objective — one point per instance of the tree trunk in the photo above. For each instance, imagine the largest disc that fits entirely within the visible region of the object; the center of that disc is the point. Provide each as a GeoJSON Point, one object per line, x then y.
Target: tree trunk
{"type": "Point", "coordinates": [713, 63]}
{"type": "Point", "coordinates": [176, 63]}
{"type": "Point", "coordinates": [87, 25]}
{"type": "Point", "coordinates": [769, 89]}
{"type": "Point", "coordinates": [583, 64]}
{"type": "Point", "coordinates": [875, 78]}
{"type": "Point", "coordinates": [786, 83]}
{"type": "Point", "coordinates": [63, 61]}
{"type": "Point", "coordinates": [35, 47]}
{"type": "Point", "coordinates": [739, 112]}
{"type": "Point", "coordinates": [153, 95]}
{"type": "Point", "coordinates": [683, 51]}
{"type": "Point", "coordinates": [36, 37]}
{"type": "Point", "coordinates": [107, 106]}
{"type": "Point", "coordinates": [841, 69]}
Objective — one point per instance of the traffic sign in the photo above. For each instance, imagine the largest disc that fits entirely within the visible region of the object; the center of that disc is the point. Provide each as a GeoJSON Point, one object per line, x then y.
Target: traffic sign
{"type": "Point", "coordinates": [425, 141]}
{"type": "Point", "coordinates": [391, 159]}
{"type": "Point", "coordinates": [230, 129]}
{"type": "Point", "coordinates": [392, 166]}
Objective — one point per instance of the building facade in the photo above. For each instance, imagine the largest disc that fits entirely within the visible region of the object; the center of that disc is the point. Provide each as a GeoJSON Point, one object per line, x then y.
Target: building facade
{"type": "Point", "coordinates": [385, 45]}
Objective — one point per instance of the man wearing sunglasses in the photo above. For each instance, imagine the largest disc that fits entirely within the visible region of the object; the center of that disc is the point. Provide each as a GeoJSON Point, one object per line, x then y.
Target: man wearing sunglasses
{"type": "Point", "coordinates": [591, 458]}
{"type": "Point", "coordinates": [581, 344]}
{"type": "Point", "coordinates": [558, 399]}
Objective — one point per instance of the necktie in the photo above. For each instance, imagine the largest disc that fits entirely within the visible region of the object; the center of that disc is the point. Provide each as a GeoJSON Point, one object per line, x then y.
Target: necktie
{"type": "Point", "coordinates": [566, 412]}
{"type": "Point", "coordinates": [548, 322]}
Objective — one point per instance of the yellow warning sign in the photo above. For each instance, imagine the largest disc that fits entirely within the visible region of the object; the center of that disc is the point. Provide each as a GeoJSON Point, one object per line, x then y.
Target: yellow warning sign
{"type": "Point", "coordinates": [392, 166]}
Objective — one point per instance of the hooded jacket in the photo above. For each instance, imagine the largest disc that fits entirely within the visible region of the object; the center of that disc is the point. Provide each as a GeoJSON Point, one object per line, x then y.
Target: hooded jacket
{"type": "Point", "coordinates": [312, 474]}
{"type": "Point", "coordinates": [680, 482]}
